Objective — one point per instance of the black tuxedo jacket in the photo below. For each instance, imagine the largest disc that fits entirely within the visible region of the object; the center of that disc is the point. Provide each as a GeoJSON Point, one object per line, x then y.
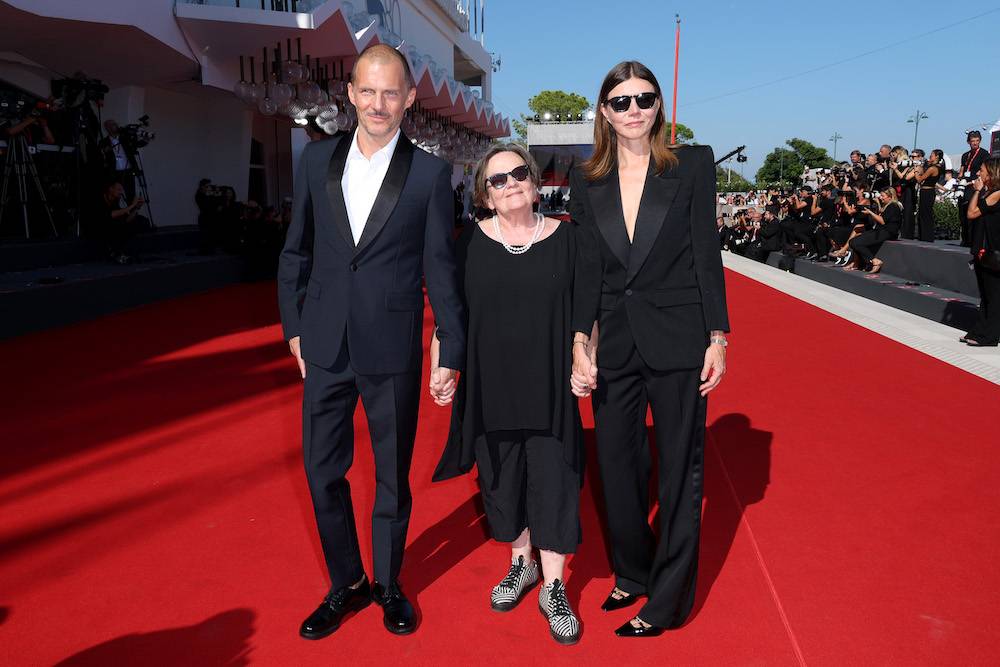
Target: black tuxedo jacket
{"type": "Point", "coordinates": [371, 292]}
{"type": "Point", "coordinates": [664, 292]}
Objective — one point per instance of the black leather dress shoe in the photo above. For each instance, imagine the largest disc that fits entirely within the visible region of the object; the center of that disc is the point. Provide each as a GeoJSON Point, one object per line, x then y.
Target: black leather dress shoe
{"type": "Point", "coordinates": [398, 616]}
{"type": "Point", "coordinates": [333, 609]}
{"type": "Point", "coordinates": [629, 630]}
{"type": "Point", "coordinates": [613, 603]}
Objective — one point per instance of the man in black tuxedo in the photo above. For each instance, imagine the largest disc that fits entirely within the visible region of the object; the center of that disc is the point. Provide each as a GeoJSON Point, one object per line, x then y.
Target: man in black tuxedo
{"type": "Point", "coordinates": [372, 216]}
{"type": "Point", "coordinates": [972, 160]}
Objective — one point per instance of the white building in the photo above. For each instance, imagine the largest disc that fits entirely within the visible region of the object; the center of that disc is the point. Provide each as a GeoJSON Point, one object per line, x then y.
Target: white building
{"type": "Point", "coordinates": [178, 62]}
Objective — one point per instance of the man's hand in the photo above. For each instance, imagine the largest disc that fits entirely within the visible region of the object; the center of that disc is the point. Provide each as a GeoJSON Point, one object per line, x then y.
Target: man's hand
{"type": "Point", "coordinates": [293, 345]}
{"type": "Point", "coordinates": [443, 383]}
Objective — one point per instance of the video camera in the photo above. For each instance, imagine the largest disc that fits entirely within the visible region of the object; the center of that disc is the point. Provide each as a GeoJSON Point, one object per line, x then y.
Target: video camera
{"type": "Point", "coordinates": [73, 92]}
{"type": "Point", "coordinates": [18, 106]}
{"type": "Point", "coordinates": [136, 135]}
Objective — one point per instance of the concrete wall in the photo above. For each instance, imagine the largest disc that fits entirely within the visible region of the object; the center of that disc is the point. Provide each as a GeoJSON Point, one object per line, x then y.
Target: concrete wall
{"type": "Point", "coordinates": [197, 136]}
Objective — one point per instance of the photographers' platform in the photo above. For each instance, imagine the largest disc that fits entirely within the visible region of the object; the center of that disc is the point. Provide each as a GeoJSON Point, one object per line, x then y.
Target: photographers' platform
{"type": "Point", "coordinates": [46, 284]}
{"type": "Point", "coordinates": [932, 280]}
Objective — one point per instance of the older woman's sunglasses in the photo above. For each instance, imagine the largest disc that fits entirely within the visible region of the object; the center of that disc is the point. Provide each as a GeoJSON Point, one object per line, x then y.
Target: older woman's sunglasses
{"type": "Point", "coordinates": [499, 181]}
{"type": "Point", "coordinates": [621, 103]}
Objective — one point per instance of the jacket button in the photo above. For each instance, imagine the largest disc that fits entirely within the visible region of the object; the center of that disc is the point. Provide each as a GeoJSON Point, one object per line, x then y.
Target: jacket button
{"type": "Point", "coordinates": [628, 292]}
{"type": "Point", "coordinates": [354, 267]}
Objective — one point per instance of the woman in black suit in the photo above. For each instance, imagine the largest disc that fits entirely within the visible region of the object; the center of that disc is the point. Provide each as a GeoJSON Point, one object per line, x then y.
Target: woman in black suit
{"type": "Point", "coordinates": [661, 316]}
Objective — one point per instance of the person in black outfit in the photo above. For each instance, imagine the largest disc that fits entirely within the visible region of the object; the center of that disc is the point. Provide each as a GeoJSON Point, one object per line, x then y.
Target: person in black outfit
{"type": "Point", "coordinates": [798, 227]}
{"type": "Point", "coordinates": [927, 176]}
{"type": "Point", "coordinates": [824, 212]}
{"type": "Point", "coordinates": [886, 220]}
{"type": "Point", "coordinates": [514, 415]}
{"type": "Point", "coordinates": [984, 235]}
{"type": "Point", "coordinates": [117, 222]}
{"type": "Point", "coordinates": [351, 303]}
{"type": "Point", "coordinates": [661, 307]}
{"type": "Point", "coordinates": [908, 185]}
{"type": "Point", "coordinates": [972, 160]}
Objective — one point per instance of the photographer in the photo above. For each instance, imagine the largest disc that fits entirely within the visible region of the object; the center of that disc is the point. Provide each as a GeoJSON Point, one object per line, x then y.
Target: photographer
{"type": "Point", "coordinates": [34, 128]}
{"type": "Point", "coordinates": [927, 175]}
{"type": "Point", "coordinates": [972, 160]}
{"type": "Point", "coordinates": [119, 164]}
{"type": "Point", "coordinates": [117, 222]}
{"type": "Point", "coordinates": [824, 212]}
{"type": "Point", "coordinates": [209, 202]}
{"type": "Point", "coordinates": [908, 192]}
{"type": "Point", "coordinates": [886, 222]}
{"type": "Point", "coordinates": [798, 227]}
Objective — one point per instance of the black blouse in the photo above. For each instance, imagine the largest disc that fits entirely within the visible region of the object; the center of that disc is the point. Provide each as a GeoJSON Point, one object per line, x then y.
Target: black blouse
{"type": "Point", "coordinates": [519, 350]}
{"type": "Point", "coordinates": [985, 230]}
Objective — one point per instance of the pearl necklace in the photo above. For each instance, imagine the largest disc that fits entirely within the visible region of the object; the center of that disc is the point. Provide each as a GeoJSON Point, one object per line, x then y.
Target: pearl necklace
{"type": "Point", "coordinates": [520, 250]}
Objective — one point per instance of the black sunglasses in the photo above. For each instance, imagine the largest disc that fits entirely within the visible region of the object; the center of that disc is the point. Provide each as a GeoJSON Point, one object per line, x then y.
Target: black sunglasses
{"type": "Point", "coordinates": [621, 103]}
{"type": "Point", "coordinates": [499, 181]}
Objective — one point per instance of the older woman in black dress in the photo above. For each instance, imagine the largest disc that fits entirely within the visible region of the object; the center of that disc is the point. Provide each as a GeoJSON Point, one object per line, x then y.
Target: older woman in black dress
{"type": "Point", "coordinates": [661, 307]}
{"type": "Point", "coordinates": [514, 415]}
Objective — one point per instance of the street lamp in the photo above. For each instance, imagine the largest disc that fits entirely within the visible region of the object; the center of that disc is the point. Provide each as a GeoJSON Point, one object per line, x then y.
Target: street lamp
{"type": "Point", "coordinates": [836, 136]}
{"type": "Point", "coordinates": [915, 119]}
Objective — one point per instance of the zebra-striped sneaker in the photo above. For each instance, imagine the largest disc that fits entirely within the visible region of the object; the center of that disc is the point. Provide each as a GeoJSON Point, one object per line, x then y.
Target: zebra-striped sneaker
{"type": "Point", "coordinates": [563, 624]}
{"type": "Point", "coordinates": [520, 578]}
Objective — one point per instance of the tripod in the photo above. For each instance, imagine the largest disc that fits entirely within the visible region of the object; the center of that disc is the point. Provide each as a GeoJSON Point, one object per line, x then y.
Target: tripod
{"type": "Point", "coordinates": [140, 177]}
{"type": "Point", "coordinates": [20, 165]}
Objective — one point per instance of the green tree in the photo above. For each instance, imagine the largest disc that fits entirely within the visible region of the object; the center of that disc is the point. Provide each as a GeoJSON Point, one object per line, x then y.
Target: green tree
{"type": "Point", "coordinates": [685, 135]}
{"type": "Point", "coordinates": [785, 165]}
{"type": "Point", "coordinates": [727, 180]}
{"type": "Point", "coordinates": [558, 102]}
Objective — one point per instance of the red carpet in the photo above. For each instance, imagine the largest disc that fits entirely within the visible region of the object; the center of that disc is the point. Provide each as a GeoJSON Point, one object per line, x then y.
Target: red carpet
{"type": "Point", "coordinates": [154, 508]}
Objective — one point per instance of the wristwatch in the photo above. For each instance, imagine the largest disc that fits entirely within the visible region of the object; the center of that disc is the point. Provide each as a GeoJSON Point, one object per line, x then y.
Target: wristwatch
{"type": "Point", "coordinates": [719, 340]}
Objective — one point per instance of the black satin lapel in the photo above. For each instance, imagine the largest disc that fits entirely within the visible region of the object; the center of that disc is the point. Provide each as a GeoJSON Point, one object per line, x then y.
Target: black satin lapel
{"type": "Point", "coordinates": [606, 200]}
{"type": "Point", "coordinates": [388, 194]}
{"type": "Point", "coordinates": [334, 189]}
{"type": "Point", "coordinates": [657, 195]}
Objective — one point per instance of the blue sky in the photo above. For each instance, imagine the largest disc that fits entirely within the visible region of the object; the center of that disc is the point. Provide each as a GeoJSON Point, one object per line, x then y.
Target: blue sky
{"type": "Point", "coordinates": [729, 46]}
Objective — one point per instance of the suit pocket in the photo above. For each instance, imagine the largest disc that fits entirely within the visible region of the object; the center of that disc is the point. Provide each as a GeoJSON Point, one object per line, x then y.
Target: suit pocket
{"type": "Point", "coordinates": [404, 301]}
{"type": "Point", "coordinates": [314, 289]}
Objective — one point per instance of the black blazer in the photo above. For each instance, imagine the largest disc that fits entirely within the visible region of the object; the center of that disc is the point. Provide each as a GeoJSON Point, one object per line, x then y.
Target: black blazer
{"type": "Point", "coordinates": [329, 288]}
{"type": "Point", "coordinates": [663, 293]}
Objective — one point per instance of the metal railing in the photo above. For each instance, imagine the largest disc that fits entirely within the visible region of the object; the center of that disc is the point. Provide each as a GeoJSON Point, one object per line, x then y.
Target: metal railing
{"type": "Point", "coordinates": [272, 5]}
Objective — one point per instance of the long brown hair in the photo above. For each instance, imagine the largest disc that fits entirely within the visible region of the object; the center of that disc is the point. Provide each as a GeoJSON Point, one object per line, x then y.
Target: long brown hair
{"type": "Point", "coordinates": [605, 155]}
{"type": "Point", "coordinates": [993, 172]}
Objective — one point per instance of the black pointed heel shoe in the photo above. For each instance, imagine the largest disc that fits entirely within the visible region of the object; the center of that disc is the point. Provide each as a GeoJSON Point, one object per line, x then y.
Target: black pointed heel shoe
{"type": "Point", "coordinates": [629, 630]}
{"type": "Point", "coordinates": [613, 603]}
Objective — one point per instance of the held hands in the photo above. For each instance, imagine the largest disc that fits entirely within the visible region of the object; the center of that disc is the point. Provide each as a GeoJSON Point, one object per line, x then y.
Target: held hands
{"type": "Point", "coordinates": [583, 380]}
{"type": "Point", "coordinates": [443, 384]}
{"type": "Point", "coordinates": [296, 350]}
{"type": "Point", "coordinates": [443, 381]}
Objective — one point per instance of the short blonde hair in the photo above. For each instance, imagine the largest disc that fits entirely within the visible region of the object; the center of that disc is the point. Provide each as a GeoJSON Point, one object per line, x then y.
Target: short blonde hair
{"type": "Point", "coordinates": [479, 196]}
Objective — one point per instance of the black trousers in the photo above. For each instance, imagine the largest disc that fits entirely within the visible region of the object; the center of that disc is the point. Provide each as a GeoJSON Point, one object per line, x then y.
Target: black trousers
{"type": "Point", "coordinates": [330, 397]}
{"type": "Point", "coordinates": [666, 570]}
{"type": "Point", "coordinates": [987, 327]}
{"type": "Point", "coordinates": [526, 483]}
{"type": "Point", "coordinates": [867, 244]}
{"type": "Point", "coordinates": [925, 214]}
{"type": "Point", "coordinates": [963, 219]}
{"type": "Point", "coordinates": [798, 231]}
{"type": "Point", "coordinates": [909, 201]}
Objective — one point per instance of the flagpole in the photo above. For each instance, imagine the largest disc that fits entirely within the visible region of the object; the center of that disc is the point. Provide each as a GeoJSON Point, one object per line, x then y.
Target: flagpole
{"type": "Point", "coordinates": [677, 53]}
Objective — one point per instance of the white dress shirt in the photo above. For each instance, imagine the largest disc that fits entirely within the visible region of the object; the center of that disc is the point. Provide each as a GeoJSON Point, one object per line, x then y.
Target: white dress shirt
{"type": "Point", "coordinates": [362, 180]}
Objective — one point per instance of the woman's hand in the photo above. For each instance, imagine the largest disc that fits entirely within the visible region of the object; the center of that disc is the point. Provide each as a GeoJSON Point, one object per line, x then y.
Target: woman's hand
{"type": "Point", "coordinates": [714, 368]}
{"type": "Point", "coordinates": [583, 380]}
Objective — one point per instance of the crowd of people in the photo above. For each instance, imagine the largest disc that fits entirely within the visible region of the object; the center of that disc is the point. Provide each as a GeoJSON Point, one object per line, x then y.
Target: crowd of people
{"type": "Point", "coordinates": [845, 213]}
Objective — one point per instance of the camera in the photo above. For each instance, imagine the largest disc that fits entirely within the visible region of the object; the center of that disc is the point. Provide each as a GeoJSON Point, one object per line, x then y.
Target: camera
{"type": "Point", "coordinates": [75, 91]}
{"type": "Point", "coordinates": [960, 187]}
{"type": "Point", "coordinates": [137, 135]}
